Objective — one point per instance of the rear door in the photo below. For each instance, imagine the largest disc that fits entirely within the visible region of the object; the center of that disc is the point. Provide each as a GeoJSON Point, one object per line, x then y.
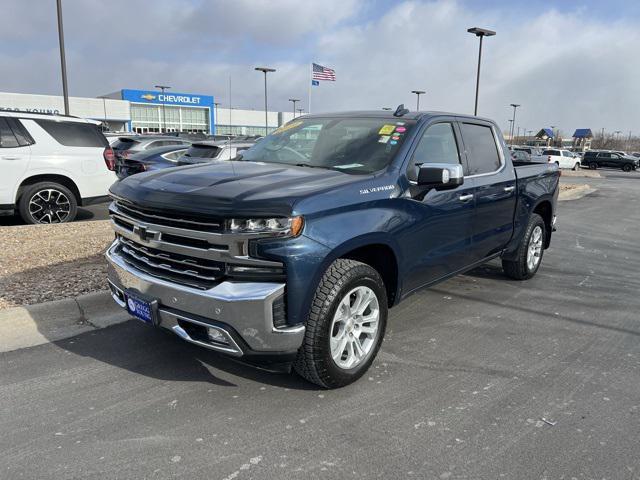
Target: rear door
{"type": "Point", "coordinates": [15, 153]}
{"type": "Point", "coordinates": [495, 188]}
{"type": "Point", "coordinates": [439, 243]}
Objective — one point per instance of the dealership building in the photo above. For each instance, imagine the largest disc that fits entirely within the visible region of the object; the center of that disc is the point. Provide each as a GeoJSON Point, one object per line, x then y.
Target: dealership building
{"type": "Point", "coordinates": [150, 111]}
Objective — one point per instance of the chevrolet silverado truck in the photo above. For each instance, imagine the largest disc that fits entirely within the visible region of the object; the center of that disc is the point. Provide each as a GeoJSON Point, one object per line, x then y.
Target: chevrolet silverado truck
{"type": "Point", "coordinates": [292, 254]}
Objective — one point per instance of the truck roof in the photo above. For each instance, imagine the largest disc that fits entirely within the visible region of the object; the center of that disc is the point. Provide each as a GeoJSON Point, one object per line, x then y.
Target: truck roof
{"type": "Point", "coordinates": [389, 114]}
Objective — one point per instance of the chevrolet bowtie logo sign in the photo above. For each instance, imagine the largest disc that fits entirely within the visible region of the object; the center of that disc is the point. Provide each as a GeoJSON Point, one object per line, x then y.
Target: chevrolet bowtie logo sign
{"type": "Point", "coordinates": [148, 96]}
{"type": "Point", "coordinates": [144, 234]}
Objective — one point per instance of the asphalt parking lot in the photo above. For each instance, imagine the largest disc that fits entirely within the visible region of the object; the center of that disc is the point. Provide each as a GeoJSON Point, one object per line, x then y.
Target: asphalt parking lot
{"type": "Point", "coordinates": [479, 377]}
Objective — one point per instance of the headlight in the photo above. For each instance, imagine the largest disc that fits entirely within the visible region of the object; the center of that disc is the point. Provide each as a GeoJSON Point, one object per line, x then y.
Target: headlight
{"type": "Point", "coordinates": [282, 226]}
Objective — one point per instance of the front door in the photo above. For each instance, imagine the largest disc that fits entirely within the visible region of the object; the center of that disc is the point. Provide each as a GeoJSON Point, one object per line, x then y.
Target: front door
{"type": "Point", "coordinates": [439, 242]}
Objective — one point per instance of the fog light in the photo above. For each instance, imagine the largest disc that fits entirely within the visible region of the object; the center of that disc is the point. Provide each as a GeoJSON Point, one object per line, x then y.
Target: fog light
{"type": "Point", "coordinates": [217, 336]}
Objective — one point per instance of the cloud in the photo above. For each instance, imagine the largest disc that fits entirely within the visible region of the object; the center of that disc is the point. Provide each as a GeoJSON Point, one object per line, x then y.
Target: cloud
{"type": "Point", "coordinates": [568, 68]}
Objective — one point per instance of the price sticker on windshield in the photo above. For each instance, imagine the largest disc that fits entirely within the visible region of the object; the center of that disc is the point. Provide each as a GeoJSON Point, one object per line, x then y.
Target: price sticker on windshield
{"type": "Point", "coordinates": [288, 126]}
{"type": "Point", "coordinates": [386, 130]}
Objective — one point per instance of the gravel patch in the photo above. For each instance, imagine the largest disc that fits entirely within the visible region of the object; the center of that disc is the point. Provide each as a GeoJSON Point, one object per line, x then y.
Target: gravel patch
{"type": "Point", "coordinates": [39, 263]}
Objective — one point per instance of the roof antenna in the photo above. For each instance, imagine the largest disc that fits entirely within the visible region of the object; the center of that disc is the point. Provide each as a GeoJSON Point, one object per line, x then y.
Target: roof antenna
{"type": "Point", "coordinates": [400, 111]}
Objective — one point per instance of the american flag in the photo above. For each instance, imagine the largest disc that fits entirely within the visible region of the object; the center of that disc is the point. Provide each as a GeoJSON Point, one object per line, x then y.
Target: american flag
{"type": "Point", "coordinates": [323, 73]}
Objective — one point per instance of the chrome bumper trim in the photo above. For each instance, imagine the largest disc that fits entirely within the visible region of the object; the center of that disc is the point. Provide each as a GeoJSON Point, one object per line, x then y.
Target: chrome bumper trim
{"type": "Point", "coordinates": [246, 307]}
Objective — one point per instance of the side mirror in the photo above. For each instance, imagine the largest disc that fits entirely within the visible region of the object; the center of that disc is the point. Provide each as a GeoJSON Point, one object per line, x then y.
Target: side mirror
{"type": "Point", "coordinates": [440, 176]}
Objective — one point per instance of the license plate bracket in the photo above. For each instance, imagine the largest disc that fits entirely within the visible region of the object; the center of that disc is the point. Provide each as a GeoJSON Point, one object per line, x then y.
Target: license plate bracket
{"type": "Point", "coordinates": [142, 307]}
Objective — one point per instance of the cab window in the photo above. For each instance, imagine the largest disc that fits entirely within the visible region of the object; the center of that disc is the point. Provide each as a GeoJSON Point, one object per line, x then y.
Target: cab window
{"type": "Point", "coordinates": [437, 145]}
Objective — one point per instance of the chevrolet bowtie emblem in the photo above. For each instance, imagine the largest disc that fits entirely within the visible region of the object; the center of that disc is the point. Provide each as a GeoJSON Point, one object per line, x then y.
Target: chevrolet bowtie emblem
{"type": "Point", "coordinates": [148, 96]}
{"type": "Point", "coordinates": [143, 233]}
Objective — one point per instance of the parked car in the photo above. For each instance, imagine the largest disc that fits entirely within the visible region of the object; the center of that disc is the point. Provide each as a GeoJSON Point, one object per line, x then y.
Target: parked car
{"type": "Point", "coordinates": [562, 158]}
{"type": "Point", "coordinates": [594, 160]}
{"type": "Point", "coordinates": [126, 146]}
{"type": "Point", "coordinates": [149, 160]}
{"type": "Point", "coordinates": [113, 137]}
{"type": "Point", "coordinates": [636, 154]}
{"type": "Point", "coordinates": [534, 152]}
{"type": "Point", "coordinates": [209, 151]}
{"type": "Point", "coordinates": [520, 156]}
{"type": "Point", "coordinates": [50, 165]}
{"type": "Point", "coordinates": [294, 257]}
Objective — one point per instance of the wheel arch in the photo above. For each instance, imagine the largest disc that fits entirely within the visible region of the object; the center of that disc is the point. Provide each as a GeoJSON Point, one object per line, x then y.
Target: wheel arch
{"type": "Point", "coordinates": [544, 208]}
{"type": "Point", "coordinates": [48, 177]}
{"type": "Point", "coordinates": [377, 251]}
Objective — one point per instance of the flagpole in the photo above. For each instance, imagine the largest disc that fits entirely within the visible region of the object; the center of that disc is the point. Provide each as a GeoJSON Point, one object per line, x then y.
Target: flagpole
{"type": "Point", "coordinates": [310, 85]}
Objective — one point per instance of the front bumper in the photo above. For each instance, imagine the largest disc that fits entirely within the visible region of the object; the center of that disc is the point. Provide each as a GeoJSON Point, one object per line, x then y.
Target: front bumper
{"type": "Point", "coordinates": [241, 311]}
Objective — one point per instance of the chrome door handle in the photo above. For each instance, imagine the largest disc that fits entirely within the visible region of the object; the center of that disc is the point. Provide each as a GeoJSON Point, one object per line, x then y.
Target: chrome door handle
{"type": "Point", "coordinates": [465, 198]}
{"type": "Point", "coordinates": [509, 189]}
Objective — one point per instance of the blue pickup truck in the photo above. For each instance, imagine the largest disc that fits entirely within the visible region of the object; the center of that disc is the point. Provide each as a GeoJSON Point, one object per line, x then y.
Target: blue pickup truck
{"type": "Point", "coordinates": [292, 254]}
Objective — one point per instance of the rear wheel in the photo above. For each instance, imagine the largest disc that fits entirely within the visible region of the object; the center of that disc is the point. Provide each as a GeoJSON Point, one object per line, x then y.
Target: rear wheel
{"type": "Point", "coordinates": [530, 251]}
{"type": "Point", "coordinates": [576, 166]}
{"type": "Point", "coordinates": [345, 327]}
{"type": "Point", "coordinates": [47, 202]}
{"type": "Point", "coordinates": [593, 165]}
{"type": "Point", "coordinates": [626, 167]}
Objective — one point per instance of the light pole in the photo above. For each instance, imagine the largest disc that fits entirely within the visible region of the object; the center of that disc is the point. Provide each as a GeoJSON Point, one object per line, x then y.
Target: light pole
{"type": "Point", "coordinates": [418, 93]}
{"type": "Point", "coordinates": [215, 120]}
{"type": "Point", "coordinates": [164, 117]}
{"type": "Point", "coordinates": [479, 32]}
{"type": "Point", "coordinates": [265, 70]}
{"type": "Point", "coordinates": [513, 123]}
{"type": "Point", "coordinates": [300, 111]}
{"type": "Point", "coordinates": [63, 62]}
{"type": "Point", "coordinates": [294, 101]}
{"type": "Point", "coordinates": [510, 126]}
{"type": "Point", "coordinates": [615, 137]}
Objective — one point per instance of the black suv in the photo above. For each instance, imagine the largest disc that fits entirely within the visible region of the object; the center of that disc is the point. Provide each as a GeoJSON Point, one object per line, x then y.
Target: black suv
{"type": "Point", "coordinates": [595, 160]}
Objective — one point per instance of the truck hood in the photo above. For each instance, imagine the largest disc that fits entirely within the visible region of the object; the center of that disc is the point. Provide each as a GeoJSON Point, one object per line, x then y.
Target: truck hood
{"type": "Point", "coordinates": [230, 188]}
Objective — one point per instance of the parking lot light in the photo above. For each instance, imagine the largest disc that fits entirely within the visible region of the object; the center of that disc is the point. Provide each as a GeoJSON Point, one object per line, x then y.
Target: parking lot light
{"type": "Point", "coordinates": [294, 101]}
{"type": "Point", "coordinates": [513, 122]}
{"type": "Point", "coordinates": [63, 62]}
{"type": "Point", "coordinates": [164, 117]}
{"type": "Point", "coordinates": [418, 93]}
{"type": "Point", "coordinates": [265, 70]}
{"type": "Point", "coordinates": [479, 32]}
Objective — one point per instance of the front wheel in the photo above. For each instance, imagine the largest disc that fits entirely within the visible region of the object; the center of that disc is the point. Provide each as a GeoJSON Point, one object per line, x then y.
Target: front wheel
{"type": "Point", "coordinates": [47, 202]}
{"type": "Point", "coordinates": [346, 325]}
{"type": "Point", "coordinates": [626, 167]}
{"type": "Point", "coordinates": [576, 166]}
{"type": "Point", "coordinates": [530, 251]}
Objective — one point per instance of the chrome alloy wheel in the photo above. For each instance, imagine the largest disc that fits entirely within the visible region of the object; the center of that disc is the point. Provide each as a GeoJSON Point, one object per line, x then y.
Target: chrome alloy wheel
{"type": "Point", "coordinates": [534, 251]}
{"type": "Point", "coordinates": [354, 327]}
{"type": "Point", "coordinates": [49, 206]}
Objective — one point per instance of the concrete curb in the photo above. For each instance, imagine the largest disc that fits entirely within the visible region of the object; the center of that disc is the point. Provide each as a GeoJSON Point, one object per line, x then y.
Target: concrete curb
{"type": "Point", "coordinates": [581, 173]}
{"type": "Point", "coordinates": [576, 193]}
{"type": "Point", "coordinates": [32, 325]}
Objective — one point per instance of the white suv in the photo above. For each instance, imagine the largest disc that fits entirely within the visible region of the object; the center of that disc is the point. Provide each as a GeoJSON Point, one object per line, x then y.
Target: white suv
{"type": "Point", "coordinates": [50, 165]}
{"type": "Point", "coordinates": [564, 158]}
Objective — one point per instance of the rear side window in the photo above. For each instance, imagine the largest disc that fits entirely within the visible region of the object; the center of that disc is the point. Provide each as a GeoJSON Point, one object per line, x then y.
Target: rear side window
{"type": "Point", "coordinates": [202, 151]}
{"type": "Point", "coordinates": [482, 151]}
{"type": "Point", "coordinates": [551, 152]}
{"type": "Point", "coordinates": [74, 134]}
{"type": "Point", "coordinates": [7, 138]}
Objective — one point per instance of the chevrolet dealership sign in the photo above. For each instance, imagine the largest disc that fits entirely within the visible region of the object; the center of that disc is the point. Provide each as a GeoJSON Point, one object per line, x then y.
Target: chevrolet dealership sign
{"type": "Point", "coordinates": [158, 98]}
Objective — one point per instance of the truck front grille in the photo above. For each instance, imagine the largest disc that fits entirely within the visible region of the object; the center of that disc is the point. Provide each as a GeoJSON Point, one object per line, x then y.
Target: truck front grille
{"type": "Point", "coordinates": [169, 219]}
{"type": "Point", "coordinates": [194, 272]}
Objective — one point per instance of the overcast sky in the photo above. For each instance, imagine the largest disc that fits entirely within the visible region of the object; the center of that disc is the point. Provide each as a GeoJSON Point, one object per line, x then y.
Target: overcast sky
{"type": "Point", "coordinates": [569, 63]}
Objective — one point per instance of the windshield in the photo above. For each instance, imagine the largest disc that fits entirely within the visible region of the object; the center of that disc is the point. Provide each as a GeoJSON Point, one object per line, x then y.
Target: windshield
{"type": "Point", "coordinates": [350, 145]}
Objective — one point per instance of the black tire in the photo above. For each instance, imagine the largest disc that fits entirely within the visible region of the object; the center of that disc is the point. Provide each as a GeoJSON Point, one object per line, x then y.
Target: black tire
{"type": "Point", "coordinates": [593, 165]}
{"type": "Point", "coordinates": [627, 167]}
{"type": "Point", "coordinates": [518, 268]}
{"type": "Point", "coordinates": [62, 204]}
{"type": "Point", "coordinates": [314, 361]}
{"type": "Point", "coordinates": [576, 167]}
